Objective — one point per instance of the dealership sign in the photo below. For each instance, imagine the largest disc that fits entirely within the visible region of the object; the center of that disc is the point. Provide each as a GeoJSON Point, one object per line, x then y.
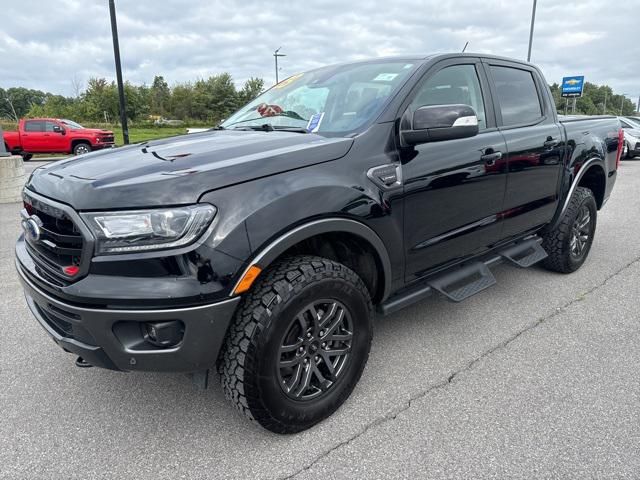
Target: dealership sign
{"type": "Point", "coordinates": [572, 86]}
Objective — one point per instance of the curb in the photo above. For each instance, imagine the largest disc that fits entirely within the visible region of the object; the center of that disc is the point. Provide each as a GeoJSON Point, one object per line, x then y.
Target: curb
{"type": "Point", "coordinates": [12, 179]}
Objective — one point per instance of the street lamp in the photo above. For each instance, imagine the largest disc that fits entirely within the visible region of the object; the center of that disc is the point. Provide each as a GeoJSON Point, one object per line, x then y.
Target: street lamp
{"type": "Point", "coordinates": [533, 21]}
{"type": "Point", "coordinates": [116, 54]}
{"type": "Point", "coordinates": [275, 56]}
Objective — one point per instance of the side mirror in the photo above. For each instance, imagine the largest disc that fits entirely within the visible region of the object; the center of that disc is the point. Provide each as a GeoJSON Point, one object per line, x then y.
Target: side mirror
{"type": "Point", "coordinates": [441, 122]}
{"type": "Point", "coordinates": [59, 129]}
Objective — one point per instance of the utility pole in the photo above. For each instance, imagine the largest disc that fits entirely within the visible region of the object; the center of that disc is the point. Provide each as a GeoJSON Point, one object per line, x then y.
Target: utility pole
{"type": "Point", "coordinates": [116, 54]}
{"type": "Point", "coordinates": [275, 56]}
{"type": "Point", "coordinates": [533, 21]}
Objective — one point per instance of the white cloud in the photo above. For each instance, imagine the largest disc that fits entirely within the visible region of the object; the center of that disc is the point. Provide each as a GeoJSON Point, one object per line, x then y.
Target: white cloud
{"type": "Point", "coordinates": [45, 47]}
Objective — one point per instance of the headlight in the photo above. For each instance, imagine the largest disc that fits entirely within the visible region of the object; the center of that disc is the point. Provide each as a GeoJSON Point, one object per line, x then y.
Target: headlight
{"type": "Point", "coordinates": [143, 230]}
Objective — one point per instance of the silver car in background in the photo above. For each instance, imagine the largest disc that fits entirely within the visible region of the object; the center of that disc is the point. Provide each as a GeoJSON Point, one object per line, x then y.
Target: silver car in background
{"type": "Point", "coordinates": [631, 128]}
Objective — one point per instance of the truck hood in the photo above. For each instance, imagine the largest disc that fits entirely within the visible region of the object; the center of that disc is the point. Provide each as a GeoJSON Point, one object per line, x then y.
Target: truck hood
{"type": "Point", "coordinates": [179, 170]}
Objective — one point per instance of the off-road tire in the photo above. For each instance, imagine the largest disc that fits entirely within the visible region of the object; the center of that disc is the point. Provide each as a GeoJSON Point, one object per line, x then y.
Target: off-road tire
{"type": "Point", "coordinates": [248, 362]}
{"type": "Point", "coordinates": [557, 242]}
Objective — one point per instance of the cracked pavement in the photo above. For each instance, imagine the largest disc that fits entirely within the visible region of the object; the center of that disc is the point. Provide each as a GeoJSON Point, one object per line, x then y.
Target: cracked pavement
{"type": "Point", "coordinates": [535, 377]}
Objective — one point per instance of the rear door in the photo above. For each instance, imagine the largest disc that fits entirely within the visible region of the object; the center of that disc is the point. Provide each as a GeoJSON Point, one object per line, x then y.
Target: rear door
{"type": "Point", "coordinates": [453, 189]}
{"type": "Point", "coordinates": [32, 137]}
{"type": "Point", "coordinates": [528, 122]}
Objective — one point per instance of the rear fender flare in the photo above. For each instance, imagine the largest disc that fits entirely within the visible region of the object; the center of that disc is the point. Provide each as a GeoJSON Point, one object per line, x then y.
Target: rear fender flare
{"type": "Point", "coordinates": [564, 201]}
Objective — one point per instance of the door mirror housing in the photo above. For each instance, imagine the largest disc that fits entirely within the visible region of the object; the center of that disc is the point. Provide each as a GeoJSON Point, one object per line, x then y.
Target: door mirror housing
{"type": "Point", "coordinates": [435, 123]}
{"type": "Point", "coordinates": [59, 129]}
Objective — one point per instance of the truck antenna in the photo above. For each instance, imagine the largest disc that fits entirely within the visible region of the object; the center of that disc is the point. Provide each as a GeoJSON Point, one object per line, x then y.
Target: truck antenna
{"type": "Point", "coordinates": [465, 47]}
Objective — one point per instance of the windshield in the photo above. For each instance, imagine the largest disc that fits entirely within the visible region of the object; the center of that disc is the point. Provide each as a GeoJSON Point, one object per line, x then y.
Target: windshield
{"type": "Point", "coordinates": [72, 125]}
{"type": "Point", "coordinates": [337, 99]}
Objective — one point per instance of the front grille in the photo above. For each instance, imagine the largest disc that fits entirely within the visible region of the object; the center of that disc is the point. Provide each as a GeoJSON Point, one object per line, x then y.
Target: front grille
{"type": "Point", "coordinates": [60, 245]}
{"type": "Point", "coordinates": [106, 139]}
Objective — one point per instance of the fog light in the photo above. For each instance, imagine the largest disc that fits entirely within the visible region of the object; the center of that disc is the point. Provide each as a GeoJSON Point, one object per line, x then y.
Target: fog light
{"type": "Point", "coordinates": [164, 334]}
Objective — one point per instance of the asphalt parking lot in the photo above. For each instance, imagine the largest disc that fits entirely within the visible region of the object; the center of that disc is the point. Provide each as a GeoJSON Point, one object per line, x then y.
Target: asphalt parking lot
{"type": "Point", "coordinates": [536, 377]}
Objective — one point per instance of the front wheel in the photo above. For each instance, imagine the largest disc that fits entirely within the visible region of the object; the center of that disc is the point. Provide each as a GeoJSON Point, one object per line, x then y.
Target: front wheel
{"type": "Point", "coordinates": [81, 149]}
{"type": "Point", "coordinates": [570, 242]}
{"type": "Point", "coordinates": [299, 344]}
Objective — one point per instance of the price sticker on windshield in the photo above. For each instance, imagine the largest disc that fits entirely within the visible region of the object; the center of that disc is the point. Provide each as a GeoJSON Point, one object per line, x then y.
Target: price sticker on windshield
{"type": "Point", "coordinates": [314, 122]}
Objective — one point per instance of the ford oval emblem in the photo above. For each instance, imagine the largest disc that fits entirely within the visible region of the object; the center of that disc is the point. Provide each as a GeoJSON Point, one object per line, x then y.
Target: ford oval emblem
{"type": "Point", "coordinates": [31, 227]}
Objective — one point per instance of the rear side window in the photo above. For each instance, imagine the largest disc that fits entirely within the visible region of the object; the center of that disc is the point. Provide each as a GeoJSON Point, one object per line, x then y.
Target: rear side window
{"type": "Point", "coordinates": [517, 95]}
{"type": "Point", "coordinates": [34, 126]}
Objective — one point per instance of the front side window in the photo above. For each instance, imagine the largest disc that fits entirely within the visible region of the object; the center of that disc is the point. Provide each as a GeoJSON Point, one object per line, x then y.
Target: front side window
{"type": "Point", "coordinates": [455, 85]}
{"type": "Point", "coordinates": [34, 126]}
{"type": "Point", "coordinates": [517, 95]}
{"type": "Point", "coordinates": [48, 127]}
{"type": "Point", "coordinates": [331, 100]}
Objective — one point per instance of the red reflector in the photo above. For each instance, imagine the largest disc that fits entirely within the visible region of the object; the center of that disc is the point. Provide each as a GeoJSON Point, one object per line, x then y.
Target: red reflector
{"type": "Point", "coordinates": [71, 271]}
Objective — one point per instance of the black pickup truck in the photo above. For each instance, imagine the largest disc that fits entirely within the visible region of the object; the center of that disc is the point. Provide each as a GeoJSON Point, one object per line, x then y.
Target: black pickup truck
{"type": "Point", "coordinates": [264, 246]}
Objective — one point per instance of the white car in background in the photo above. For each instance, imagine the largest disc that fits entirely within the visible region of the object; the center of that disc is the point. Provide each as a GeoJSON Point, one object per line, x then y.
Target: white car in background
{"type": "Point", "coordinates": [631, 129]}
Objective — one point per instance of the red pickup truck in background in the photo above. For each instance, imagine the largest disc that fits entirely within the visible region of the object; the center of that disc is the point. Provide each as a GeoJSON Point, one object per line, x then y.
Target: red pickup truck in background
{"type": "Point", "coordinates": [52, 135]}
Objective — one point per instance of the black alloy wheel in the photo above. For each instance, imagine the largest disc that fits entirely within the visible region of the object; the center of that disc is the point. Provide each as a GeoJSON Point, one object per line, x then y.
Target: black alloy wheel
{"type": "Point", "coordinates": [315, 349]}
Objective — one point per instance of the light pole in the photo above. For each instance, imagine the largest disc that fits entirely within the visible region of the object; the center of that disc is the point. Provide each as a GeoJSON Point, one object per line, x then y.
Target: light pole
{"type": "Point", "coordinates": [533, 21]}
{"type": "Point", "coordinates": [622, 103]}
{"type": "Point", "coordinates": [116, 54]}
{"type": "Point", "coordinates": [275, 56]}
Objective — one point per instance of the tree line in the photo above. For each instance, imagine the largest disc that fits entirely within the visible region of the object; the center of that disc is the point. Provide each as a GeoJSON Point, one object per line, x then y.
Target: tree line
{"type": "Point", "coordinates": [210, 100]}
{"type": "Point", "coordinates": [203, 101]}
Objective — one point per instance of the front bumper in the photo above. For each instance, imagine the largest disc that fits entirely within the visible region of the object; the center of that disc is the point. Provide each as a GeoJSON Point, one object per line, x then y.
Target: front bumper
{"type": "Point", "coordinates": [112, 338]}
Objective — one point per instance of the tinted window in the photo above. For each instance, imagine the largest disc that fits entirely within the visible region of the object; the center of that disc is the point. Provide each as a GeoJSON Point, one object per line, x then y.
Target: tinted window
{"type": "Point", "coordinates": [34, 126]}
{"type": "Point", "coordinates": [453, 85]}
{"type": "Point", "coordinates": [49, 126]}
{"type": "Point", "coordinates": [517, 95]}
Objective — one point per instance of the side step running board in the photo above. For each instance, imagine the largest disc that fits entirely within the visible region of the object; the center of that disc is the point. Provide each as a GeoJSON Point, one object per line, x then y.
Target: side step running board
{"type": "Point", "coordinates": [461, 282]}
{"type": "Point", "coordinates": [525, 254]}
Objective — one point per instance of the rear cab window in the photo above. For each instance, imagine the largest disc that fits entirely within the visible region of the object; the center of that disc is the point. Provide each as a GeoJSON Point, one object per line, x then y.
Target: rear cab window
{"type": "Point", "coordinates": [34, 126]}
{"type": "Point", "coordinates": [517, 96]}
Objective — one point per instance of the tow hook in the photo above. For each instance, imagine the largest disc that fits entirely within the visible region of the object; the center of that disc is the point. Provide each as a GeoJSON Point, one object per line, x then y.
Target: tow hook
{"type": "Point", "coordinates": [82, 363]}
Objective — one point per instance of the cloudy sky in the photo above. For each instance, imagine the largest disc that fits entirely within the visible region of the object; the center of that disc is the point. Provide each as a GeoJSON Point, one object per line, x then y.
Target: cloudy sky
{"type": "Point", "coordinates": [49, 45]}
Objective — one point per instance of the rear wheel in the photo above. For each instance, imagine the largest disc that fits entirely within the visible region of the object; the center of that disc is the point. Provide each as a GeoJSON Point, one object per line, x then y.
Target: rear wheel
{"type": "Point", "coordinates": [298, 345]}
{"type": "Point", "coordinates": [81, 149]}
{"type": "Point", "coordinates": [569, 243]}
{"type": "Point", "coordinates": [26, 157]}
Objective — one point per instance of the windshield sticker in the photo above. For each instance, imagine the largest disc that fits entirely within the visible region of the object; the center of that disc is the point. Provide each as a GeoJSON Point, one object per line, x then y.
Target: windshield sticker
{"type": "Point", "coordinates": [314, 122]}
{"type": "Point", "coordinates": [385, 77]}
{"type": "Point", "coordinates": [288, 81]}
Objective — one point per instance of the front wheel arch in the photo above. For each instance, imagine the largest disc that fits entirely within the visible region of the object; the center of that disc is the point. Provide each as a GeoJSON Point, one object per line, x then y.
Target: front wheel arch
{"type": "Point", "coordinates": [328, 226]}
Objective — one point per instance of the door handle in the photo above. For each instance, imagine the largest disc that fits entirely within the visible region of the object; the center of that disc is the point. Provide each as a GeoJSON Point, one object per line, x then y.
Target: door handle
{"type": "Point", "coordinates": [551, 142]}
{"type": "Point", "coordinates": [491, 158]}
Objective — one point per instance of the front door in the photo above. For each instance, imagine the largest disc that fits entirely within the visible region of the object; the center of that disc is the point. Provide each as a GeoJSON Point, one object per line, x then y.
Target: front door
{"type": "Point", "coordinates": [454, 189]}
{"type": "Point", "coordinates": [55, 141]}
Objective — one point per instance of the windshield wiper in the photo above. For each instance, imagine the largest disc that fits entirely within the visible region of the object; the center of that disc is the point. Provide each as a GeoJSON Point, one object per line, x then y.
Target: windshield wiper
{"type": "Point", "coordinates": [288, 114]}
{"type": "Point", "coordinates": [267, 127]}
